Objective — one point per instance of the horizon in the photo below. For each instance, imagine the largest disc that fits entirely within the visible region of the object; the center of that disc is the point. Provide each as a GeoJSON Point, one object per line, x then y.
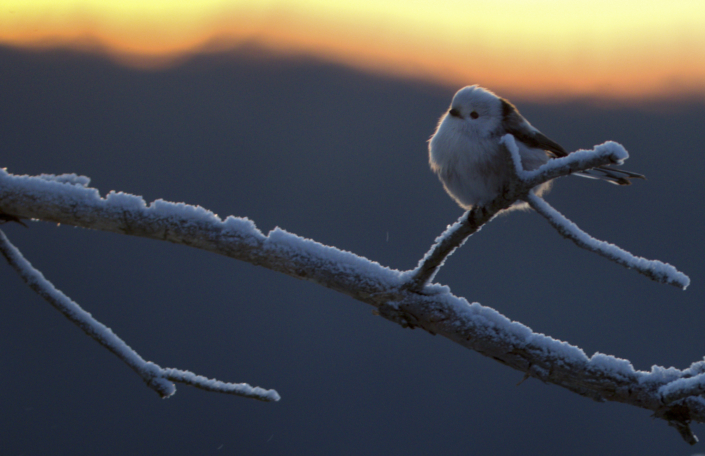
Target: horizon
{"type": "Point", "coordinates": [541, 50]}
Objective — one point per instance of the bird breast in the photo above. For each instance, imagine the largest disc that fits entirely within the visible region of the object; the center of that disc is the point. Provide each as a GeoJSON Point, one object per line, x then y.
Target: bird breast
{"type": "Point", "coordinates": [472, 172]}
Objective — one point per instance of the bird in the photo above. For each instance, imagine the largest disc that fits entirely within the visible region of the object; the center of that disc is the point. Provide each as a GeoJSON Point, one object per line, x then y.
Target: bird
{"type": "Point", "coordinates": [466, 154]}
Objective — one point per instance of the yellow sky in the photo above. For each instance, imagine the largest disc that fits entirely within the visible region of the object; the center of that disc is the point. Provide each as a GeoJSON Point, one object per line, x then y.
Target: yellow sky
{"type": "Point", "coordinates": [623, 49]}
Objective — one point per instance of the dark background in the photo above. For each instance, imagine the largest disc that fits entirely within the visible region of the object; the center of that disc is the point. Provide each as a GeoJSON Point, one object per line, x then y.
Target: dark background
{"type": "Point", "coordinates": [338, 156]}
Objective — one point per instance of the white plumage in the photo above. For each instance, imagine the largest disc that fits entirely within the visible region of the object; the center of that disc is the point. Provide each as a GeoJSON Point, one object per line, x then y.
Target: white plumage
{"type": "Point", "coordinates": [466, 153]}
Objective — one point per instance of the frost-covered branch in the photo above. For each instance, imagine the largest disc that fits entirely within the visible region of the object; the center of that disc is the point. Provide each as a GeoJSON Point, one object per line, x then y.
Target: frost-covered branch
{"type": "Point", "coordinates": [653, 269]}
{"type": "Point", "coordinates": [609, 153]}
{"type": "Point", "coordinates": [482, 329]}
{"type": "Point", "coordinates": [580, 161]}
{"type": "Point", "coordinates": [452, 238]}
{"type": "Point", "coordinates": [156, 377]}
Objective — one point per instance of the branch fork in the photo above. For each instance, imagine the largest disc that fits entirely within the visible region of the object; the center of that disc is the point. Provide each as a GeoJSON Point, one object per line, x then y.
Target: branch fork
{"type": "Point", "coordinates": [520, 189]}
{"type": "Point", "coordinates": [157, 378]}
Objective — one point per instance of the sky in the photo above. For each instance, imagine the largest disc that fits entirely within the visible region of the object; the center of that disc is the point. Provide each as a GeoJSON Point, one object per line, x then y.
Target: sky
{"type": "Point", "coordinates": [536, 49]}
{"type": "Point", "coordinates": [333, 147]}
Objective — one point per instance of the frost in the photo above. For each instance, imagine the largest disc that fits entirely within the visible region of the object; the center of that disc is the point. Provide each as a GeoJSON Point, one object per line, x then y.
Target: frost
{"type": "Point", "coordinates": [124, 201]}
{"type": "Point", "coordinates": [654, 269]}
{"type": "Point", "coordinates": [194, 214]}
{"type": "Point", "coordinates": [611, 365]}
{"type": "Point", "coordinates": [60, 188]}
{"type": "Point", "coordinates": [242, 226]}
{"type": "Point", "coordinates": [332, 260]}
{"type": "Point", "coordinates": [610, 150]}
{"type": "Point", "coordinates": [72, 178]}
{"type": "Point", "coordinates": [155, 376]}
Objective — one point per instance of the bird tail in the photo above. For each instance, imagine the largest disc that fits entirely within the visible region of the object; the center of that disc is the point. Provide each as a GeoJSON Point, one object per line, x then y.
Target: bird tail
{"type": "Point", "coordinates": [611, 175]}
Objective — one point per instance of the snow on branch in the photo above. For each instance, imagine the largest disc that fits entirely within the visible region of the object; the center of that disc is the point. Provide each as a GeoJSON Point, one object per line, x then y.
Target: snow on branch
{"type": "Point", "coordinates": [156, 377]}
{"type": "Point", "coordinates": [683, 388]}
{"type": "Point", "coordinates": [445, 244]}
{"type": "Point", "coordinates": [579, 161]}
{"type": "Point", "coordinates": [609, 153]}
{"type": "Point", "coordinates": [653, 269]}
{"type": "Point", "coordinates": [401, 297]}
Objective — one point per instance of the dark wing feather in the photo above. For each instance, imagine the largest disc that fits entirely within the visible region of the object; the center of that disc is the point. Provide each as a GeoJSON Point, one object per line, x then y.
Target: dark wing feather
{"type": "Point", "coordinates": [514, 123]}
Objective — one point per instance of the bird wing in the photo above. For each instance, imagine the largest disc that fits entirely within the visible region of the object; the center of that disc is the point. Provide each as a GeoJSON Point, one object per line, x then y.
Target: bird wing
{"type": "Point", "coordinates": [514, 123]}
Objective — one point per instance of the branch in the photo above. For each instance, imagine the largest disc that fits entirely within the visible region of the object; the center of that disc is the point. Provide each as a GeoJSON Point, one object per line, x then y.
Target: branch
{"type": "Point", "coordinates": [653, 269]}
{"type": "Point", "coordinates": [609, 153]}
{"type": "Point", "coordinates": [580, 161]}
{"type": "Point", "coordinates": [444, 246]}
{"type": "Point", "coordinates": [153, 375]}
{"type": "Point", "coordinates": [482, 329]}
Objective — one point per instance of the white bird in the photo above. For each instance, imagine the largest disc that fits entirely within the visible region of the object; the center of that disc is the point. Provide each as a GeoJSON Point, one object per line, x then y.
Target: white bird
{"type": "Point", "coordinates": [466, 153]}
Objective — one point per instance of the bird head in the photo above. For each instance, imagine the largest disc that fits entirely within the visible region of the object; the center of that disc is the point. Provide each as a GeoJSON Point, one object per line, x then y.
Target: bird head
{"type": "Point", "coordinates": [476, 111]}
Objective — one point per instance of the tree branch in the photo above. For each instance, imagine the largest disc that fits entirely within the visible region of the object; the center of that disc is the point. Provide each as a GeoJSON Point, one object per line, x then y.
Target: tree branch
{"type": "Point", "coordinates": [452, 238]}
{"type": "Point", "coordinates": [600, 377]}
{"type": "Point", "coordinates": [609, 153]}
{"type": "Point", "coordinates": [653, 269]}
{"type": "Point", "coordinates": [154, 376]}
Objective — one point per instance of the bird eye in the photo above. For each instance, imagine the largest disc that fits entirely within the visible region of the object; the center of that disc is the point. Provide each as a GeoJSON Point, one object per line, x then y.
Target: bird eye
{"type": "Point", "coordinates": [474, 115]}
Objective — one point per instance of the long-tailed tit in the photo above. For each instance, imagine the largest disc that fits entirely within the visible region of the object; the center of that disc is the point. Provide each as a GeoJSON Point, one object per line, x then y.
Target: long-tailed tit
{"type": "Point", "coordinates": [466, 153]}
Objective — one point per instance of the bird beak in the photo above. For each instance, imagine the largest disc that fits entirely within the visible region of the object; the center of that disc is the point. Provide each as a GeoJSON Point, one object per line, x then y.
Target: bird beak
{"type": "Point", "coordinates": [455, 113]}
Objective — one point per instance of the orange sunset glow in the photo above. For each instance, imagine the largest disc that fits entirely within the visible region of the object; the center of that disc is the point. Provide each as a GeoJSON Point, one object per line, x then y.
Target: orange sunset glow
{"type": "Point", "coordinates": [533, 49]}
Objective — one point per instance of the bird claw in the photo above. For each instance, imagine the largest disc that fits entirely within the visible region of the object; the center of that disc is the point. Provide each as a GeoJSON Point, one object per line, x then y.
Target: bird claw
{"type": "Point", "coordinates": [4, 218]}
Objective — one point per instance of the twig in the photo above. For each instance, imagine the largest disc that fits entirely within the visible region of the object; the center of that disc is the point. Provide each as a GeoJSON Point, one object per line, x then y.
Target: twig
{"type": "Point", "coordinates": [156, 377]}
{"type": "Point", "coordinates": [452, 238]}
{"type": "Point", "coordinates": [581, 160]}
{"type": "Point", "coordinates": [653, 269]}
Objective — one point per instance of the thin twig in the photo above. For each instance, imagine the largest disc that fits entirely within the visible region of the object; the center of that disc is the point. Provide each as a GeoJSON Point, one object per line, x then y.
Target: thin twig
{"type": "Point", "coordinates": [452, 238]}
{"type": "Point", "coordinates": [467, 225]}
{"type": "Point", "coordinates": [653, 269]}
{"type": "Point", "coordinates": [156, 377]}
